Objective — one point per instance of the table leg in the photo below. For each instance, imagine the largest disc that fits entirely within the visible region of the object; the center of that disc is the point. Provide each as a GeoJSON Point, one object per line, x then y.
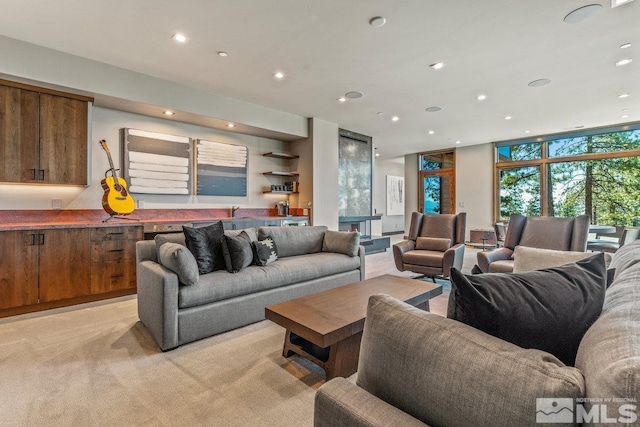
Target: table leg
{"type": "Point", "coordinates": [343, 357]}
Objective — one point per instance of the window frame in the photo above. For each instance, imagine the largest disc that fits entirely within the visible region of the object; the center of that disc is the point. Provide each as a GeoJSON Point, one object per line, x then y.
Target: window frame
{"type": "Point", "coordinates": [545, 161]}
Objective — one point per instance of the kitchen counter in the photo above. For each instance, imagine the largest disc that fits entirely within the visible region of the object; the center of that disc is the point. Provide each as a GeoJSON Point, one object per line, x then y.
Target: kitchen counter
{"type": "Point", "coordinates": [85, 218]}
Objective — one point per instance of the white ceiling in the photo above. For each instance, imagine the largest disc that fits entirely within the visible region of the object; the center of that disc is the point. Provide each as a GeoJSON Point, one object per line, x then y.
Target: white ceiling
{"type": "Point", "coordinates": [327, 48]}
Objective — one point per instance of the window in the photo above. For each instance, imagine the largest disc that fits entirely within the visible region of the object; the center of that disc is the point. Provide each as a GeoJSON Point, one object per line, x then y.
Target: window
{"type": "Point", "coordinates": [595, 173]}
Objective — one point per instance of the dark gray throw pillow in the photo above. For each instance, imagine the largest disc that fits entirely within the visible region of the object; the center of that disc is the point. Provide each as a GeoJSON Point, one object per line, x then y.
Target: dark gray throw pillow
{"type": "Point", "coordinates": [206, 245]}
{"type": "Point", "coordinates": [264, 251]}
{"type": "Point", "coordinates": [548, 309]}
{"type": "Point", "coordinates": [238, 254]}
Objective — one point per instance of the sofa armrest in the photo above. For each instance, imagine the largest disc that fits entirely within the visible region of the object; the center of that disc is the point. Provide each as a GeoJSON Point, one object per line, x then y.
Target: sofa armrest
{"type": "Point", "coordinates": [340, 403]}
{"type": "Point", "coordinates": [486, 258]}
{"type": "Point", "coordinates": [399, 249]}
{"type": "Point", "coordinates": [158, 302]}
{"type": "Point", "coordinates": [453, 257]}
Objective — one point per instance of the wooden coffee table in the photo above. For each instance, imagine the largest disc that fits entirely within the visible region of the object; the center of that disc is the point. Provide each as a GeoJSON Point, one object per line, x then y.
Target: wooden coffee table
{"type": "Point", "coordinates": [326, 328]}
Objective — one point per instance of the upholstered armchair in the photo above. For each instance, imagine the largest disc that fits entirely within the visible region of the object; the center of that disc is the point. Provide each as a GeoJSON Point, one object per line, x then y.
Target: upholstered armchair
{"type": "Point", "coordinates": [562, 234]}
{"type": "Point", "coordinates": [435, 244]}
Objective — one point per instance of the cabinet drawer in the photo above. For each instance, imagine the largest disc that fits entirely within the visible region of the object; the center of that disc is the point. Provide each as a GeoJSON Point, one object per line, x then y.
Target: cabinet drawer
{"type": "Point", "coordinates": [113, 250]}
{"type": "Point", "coordinates": [116, 233]}
{"type": "Point", "coordinates": [113, 276]}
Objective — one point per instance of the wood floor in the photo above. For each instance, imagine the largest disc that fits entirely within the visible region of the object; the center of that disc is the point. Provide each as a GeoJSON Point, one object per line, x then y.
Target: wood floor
{"type": "Point", "coordinates": [383, 263]}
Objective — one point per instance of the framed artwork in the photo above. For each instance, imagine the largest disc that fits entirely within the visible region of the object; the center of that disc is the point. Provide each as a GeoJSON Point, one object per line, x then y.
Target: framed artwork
{"type": "Point", "coordinates": [157, 163]}
{"type": "Point", "coordinates": [395, 195]}
{"type": "Point", "coordinates": [221, 169]}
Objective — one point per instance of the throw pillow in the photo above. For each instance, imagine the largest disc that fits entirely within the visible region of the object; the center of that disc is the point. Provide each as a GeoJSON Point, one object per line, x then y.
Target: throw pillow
{"type": "Point", "coordinates": [548, 309]}
{"type": "Point", "coordinates": [433, 244]}
{"type": "Point", "coordinates": [206, 245]}
{"type": "Point", "coordinates": [342, 242]}
{"type": "Point", "coordinates": [239, 253]}
{"type": "Point", "coordinates": [180, 260]}
{"type": "Point", "coordinates": [264, 252]}
{"type": "Point", "coordinates": [528, 259]}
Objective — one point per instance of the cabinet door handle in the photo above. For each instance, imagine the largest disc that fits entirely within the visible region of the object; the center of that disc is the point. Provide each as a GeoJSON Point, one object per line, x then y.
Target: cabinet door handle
{"type": "Point", "coordinates": [41, 174]}
{"type": "Point", "coordinates": [33, 240]}
{"type": "Point", "coordinates": [34, 174]}
{"type": "Point", "coordinates": [116, 276]}
{"type": "Point", "coordinates": [41, 239]}
{"type": "Point", "coordinates": [116, 250]}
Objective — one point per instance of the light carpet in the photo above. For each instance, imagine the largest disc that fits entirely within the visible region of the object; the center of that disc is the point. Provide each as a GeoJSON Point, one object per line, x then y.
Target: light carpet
{"type": "Point", "coordinates": [97, 366]}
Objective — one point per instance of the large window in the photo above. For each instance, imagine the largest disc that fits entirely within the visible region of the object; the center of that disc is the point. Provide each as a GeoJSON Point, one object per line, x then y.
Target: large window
{"type": "Point", "coordinates": [595, 173]}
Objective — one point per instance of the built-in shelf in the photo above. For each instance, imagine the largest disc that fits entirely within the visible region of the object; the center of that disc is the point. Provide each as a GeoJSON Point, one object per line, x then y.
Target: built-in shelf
{"type": "Point", "coordinates": [279, 192]}
{"type": "Point", "coordinates": [281, 173]}
{"type": "Point", "coordinates": [280, 155]}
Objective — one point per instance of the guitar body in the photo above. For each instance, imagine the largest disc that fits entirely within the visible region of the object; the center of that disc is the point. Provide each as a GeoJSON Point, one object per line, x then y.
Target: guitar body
{"type": "Point", "coordinates": [114, 201]}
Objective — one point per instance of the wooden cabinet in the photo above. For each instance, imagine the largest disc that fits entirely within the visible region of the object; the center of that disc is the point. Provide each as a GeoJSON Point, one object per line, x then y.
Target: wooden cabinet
{"type": "Point", "coordinates": [113, 258]}
{"type": "Point", "coordinates": [42, 269]}
{"type": "Point", "coordinates": [43, 135]}
{"type": "Point", "coordinates": [18, 269]}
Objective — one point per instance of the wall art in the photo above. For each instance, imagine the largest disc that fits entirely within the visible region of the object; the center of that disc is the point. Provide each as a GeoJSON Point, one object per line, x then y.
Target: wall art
{"type": "Point", "coordinates": [221, 169]}
{"type": "Point", "coordinates": [395, 195]}
{"type": "Point", "coordinates": [157, 163]}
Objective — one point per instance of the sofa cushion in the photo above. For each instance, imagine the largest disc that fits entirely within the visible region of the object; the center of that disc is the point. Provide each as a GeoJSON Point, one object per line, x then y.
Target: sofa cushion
{"type": "Point", "coordinates": [455, 375]}
{"type": "Point", "coordinates": [424, 258]}
{"type": "Point", "coordinates": [293, 241]}
{"type": "Point", "coordinates": [264, 252]}
{"type": "Point", "coordinates": [342, 242]}
{"type": "Point", "coordinates": [206, 245]}
{"type": "Point", "coordinates": [180, 260]}
{"type": "Point", "coordinates": [528, 259]}
{"type": "Point", "coordinates": [433, 243]}
{"type": "Point", "coordinates": [625, 257]}
{"type": "Point", "coordinates": [548, 233]}
{"type": "Point", "coordinates": [609, 354]}
{"type": "Point", "coordinates": [161, 239]}
{"type": "Point", "coordinates": [220, 285]}
{"type": "Point", "coordinates": [237, 252]}
{"type": "Point", "coordinates": [548, 309]}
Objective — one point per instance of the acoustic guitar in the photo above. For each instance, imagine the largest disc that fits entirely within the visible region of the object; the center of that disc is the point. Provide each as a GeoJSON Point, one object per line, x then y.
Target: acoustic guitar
{"type": "Point", "coordinates": [116, 200]}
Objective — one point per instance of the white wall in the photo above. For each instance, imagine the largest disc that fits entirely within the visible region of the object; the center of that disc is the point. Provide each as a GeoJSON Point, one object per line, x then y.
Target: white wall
{"type": "Point", "coordinates": [382, 168]}
{"type": "Point", "coordinates": [325, 173]}
{"type": "Point", "coordinates": [107, 124]}
{"type": "Point", "coordinates": [474, 185]}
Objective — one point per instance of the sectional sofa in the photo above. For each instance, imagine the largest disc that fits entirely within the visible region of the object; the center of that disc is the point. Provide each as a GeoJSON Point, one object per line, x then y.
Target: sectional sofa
{"type": "Point", "coordinates": [310, 259]}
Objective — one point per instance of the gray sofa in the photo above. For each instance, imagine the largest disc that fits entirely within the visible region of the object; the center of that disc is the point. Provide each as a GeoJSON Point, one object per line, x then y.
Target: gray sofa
{"type": "Point", "coordinates": [418, 368]}
{"type": "Point", "coordinates": [219, 301]}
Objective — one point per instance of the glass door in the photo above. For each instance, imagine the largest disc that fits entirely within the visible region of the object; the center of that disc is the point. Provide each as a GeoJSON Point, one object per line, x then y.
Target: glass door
{"type": "Point", "coordinates": [437, 183]}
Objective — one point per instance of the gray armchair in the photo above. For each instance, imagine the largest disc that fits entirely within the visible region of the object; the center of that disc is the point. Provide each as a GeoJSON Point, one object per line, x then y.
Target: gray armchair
{"type": "Point", "coordinates": [562, 234]}
{"type": "Point", "coordinates": [435, 244]}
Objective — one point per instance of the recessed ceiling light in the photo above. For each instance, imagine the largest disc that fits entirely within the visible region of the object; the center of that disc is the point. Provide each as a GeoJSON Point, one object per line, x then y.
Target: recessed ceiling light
{"type": "Point", "coordinates": [624, 62]}
{"type": "Point", "coordinates": [539, 82]}
{"type": "Point", "coordinates": [377, 21]}
{"type": "Point", "coordinates": [582, 13]}
{"type": "Point", "coordinates": [342, 99]}
{"type": "Point", "coordinates": [527, 131]}
{"type": "Point", "coordinates": [625, 46]}
{"type": "Point", "coordinates": [508, 117]}
{"type": "Point", "coordinates": [278, 75]}
{"type": "Point", "coordinates": [481, 97]}
{"type": "Point", "coordinates": [168, 113]}
{"type": "Point", "coordinates": [624, 95]}
{"type": "Point", "coordinates": [625, 116]}
{"type": "Point", "coordinates": [179, 37]}
{"type": "Point", "coordinates": [457, 142]}
{"type": "Point", "coordinates": [437, 65]}
{"type": "Point", "coordinates": [231, 125]}
{"type": "Point", "coordinates": [353, 94]}
{"type": "Point", "coordinates": [433, 109]}
{"type": "Point", "coordinates": [395, 118]}
{"type": "Point", "coordinates": [616, 3]}
{"type": "Point", "coordinates": [223, 54]}
{"type": "Point", "coordinates": [431, 132]}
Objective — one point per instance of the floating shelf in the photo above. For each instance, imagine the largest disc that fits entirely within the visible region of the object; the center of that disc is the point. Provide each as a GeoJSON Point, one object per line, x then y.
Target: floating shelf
{"type": "Point", "coordinates": [281, 155]}
{"type": "Point", "coordinates": [279, 192]}
{"type": "Point", "coordinates": [281, 173]}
